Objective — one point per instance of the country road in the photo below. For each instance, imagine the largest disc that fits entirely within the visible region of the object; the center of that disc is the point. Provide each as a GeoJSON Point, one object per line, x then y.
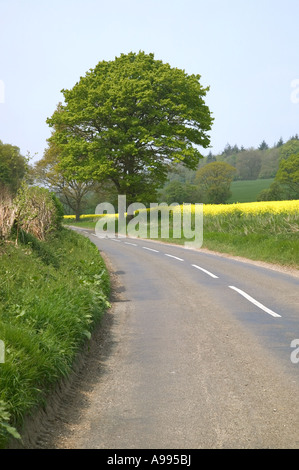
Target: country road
{"type": "Point", "coordinates": [196, 354]}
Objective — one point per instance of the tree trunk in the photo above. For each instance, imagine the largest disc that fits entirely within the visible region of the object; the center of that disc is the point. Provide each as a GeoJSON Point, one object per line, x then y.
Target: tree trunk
{"type": "Point", "coordinates": [77, 212]}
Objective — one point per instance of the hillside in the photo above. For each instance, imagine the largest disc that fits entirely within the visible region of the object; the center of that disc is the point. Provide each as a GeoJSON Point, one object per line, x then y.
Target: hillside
{"type": "Point", "coordinates": [248, 190]}
{"type": "Point", "coordinates": [255, 172]}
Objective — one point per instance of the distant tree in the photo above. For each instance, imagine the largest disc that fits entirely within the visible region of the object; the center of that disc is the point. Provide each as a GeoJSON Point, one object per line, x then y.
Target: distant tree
{"type": "Point", "coordinates": [249, 164]}
{"type": "Point", "coordinates": [179, 192]}
{"type": "Point", "coordinates": [211, 158]}
{"type": "Point", "coordinates": [214, 180]}
{"type": "Point", "coordinates": [13, 167]}
{"type": "Point", "coordinates": [227, 150]}
{"type": "Point", "coordinates": [232, 160]}
{"type": "Point", "coordinates": [288, 174]}
{"type": "Point", "coordinates": [279, 143]}
{"type": "Point", "coordinates": [263, 146]}
{"type": "Point", "coordinates": [270, 163]}
{"type": "Point", "coordinates": [289, 148]}
{"type": "Point", "coordinates": [181, 173]}
{"type": "Point", "coordinates": [274, 193]}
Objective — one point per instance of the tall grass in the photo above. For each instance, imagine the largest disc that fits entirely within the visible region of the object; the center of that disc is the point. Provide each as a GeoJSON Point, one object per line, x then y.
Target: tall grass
{"type": "Point", "coordinates": [8, 212]}
{"type": "Point", "coordinates": [52, 293]}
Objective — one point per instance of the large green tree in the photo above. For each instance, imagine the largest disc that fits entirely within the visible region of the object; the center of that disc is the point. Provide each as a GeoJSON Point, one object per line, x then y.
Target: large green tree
{"type": "Point", "coordinates": [128, 120]}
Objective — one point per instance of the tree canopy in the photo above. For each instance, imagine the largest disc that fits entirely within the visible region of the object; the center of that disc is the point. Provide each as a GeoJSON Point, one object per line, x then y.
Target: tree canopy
{"type": "Point", "coordinates": [288, 174]}
{"type": "Point", "coordinates": [128, 120]}
{"type": "Point", "coordinates": [13, 167]}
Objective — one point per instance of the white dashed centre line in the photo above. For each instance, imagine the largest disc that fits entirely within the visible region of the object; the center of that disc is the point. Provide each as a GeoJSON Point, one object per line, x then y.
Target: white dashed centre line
{"type": "Point", "coordinates": [150, 249]}
{"type": "Point", "coordinates": [132, 244]}
{"type": "Point", "coordinates": [255, 302]}
{"type": "Point", "coordinates": [205, 271]}
{"type": "Point", "coordinates": [175, 257]}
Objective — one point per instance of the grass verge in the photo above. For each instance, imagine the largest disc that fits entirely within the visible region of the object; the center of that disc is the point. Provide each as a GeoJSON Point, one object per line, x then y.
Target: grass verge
{"type": "Point", "coordinates": [276, 249]}
{"type": "Point", "coordinates": [52, 294]}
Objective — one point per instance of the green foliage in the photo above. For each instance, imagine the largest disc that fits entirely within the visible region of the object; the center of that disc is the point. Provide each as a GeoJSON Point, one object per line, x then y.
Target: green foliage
{"type": "Point", "coordinates": [274, 193]}
{"type": "Point", "coordinates": [289, 148]}
{"type": "Point", "coordinates": [179, 192]}
{"type": "Point", "coordinates": [13, 167]}
{"type": "Point", "coordinates": [269, 163]}
{"type": "Point", "coordinates": [47, 314]}
{"type": "Point", "coordinates": [263, 146]}
{"type": "Point", "coordinates": [127, 119]}
{"type": "Point", "coordinates": [40, 249]}
{"type": "Point", "coordinates": [286, 184]}
{"type": "Point", "coordinates": [71, 192]}
{"type": "Point", "coordinates": [214, 180]}
{"type": "Point", "coordinates": [288, 174]}
{"type": "Point", "coordinates": [255, 171]}
{"type": "Point", "coordinates": [59, 212]}
{"type": "Point", "coordinates": [248, 165]}
{"type": "Point", "coordinates": [6, 430]}
{"type": "Point", "coordinates": [278, 249]}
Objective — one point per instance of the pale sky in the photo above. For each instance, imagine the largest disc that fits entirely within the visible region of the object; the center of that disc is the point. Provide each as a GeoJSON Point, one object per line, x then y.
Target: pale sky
{"type": "Point", "coordinates": [246, 51]}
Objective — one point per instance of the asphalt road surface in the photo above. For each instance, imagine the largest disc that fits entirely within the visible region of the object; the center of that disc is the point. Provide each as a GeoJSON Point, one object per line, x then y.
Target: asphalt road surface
{"type": "Point", "coordinates": [200, 354]}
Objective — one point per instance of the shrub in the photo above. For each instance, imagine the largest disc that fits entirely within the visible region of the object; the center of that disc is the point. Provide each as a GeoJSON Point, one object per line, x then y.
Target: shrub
{"type": "Point", "coordinates": [38, 211]}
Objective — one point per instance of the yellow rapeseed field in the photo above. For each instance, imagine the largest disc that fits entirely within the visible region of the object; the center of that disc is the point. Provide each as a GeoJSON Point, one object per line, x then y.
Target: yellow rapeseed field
{"type": "Point", "coordinates": [263, 217]}
{"type": "Point", "coordinates": [253, 208]}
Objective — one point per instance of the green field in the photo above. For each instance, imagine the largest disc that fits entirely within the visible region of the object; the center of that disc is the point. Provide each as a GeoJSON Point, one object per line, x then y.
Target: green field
{"type": "Point", "coordinates": [247, 191]}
